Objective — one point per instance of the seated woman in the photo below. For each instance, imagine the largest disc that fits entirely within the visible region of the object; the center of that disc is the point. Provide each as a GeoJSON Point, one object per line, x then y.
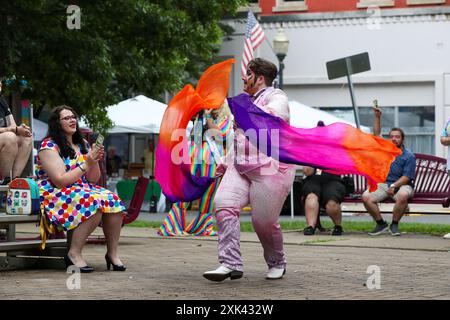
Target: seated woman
{"type": "Point", "coordinates": [67, 169]}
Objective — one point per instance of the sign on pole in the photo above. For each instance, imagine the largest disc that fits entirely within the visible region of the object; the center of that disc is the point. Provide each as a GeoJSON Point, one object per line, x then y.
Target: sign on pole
{"type": "Point", "coordinates": [345, 67]}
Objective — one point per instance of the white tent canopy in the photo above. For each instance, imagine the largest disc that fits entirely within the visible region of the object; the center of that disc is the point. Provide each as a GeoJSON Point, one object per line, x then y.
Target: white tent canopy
{"type": "Point", "coordinates": [303, 116]}
{"type": "Point", "coordinates": [40, 129]}
{"type": "Point", "coordinates": [137, 115]}
{"type": "Point", "coordinates": [144, 115]}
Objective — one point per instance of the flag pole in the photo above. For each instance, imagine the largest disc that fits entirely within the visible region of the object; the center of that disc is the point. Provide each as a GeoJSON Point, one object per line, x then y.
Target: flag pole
{"type": "Point", "coordinates": [265, 38]}
{"type": "Point", "coordinates": [270, 45]}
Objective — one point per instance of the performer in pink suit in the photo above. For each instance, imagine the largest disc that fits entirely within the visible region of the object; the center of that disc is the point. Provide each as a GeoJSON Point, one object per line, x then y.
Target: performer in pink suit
{"type": "Point", "coordinates": [253, 178]}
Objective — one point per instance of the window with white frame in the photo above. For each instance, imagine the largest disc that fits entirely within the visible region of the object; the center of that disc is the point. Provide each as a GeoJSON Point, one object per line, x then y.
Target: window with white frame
{"type": "Point", "coordinates": [252, 5]}
{"type": "Point", "coordinates": [415, 2]}
{"type": "Point", "coordinates": [378, 3]}
{"type": "Point", "coordinates": [418, 123]}
{"type": "Point", "coordinates": [290, 5]}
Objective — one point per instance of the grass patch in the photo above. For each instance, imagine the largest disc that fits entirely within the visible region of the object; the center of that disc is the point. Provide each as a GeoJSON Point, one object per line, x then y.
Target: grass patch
{"type": "Point", "coordinates": [145, 224]}
{"type": "Point", "coordinates": [349, 226]}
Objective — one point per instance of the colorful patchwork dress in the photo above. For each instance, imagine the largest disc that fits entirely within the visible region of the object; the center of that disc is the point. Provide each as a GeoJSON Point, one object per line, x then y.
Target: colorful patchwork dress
{"type": "Point", "coordinates": [66, 208]}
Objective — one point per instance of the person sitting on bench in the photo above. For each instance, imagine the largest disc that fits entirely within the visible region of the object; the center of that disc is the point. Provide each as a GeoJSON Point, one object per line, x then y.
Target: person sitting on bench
{"type": "Point", "coordinates": [326, 190]}
{"type": "Point", "coordinates": [445, 141]}
{"type": "Point", "coordinates": [322, 190]}
{"type": "Point", "coordinates": [398, 185]}
{"type": "Point", "coordinates": [67, 171]}
{"type": "Point", "coordinates": [15, 144]}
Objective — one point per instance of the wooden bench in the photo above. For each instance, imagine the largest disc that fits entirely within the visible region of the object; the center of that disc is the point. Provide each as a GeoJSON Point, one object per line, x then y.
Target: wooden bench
{"type": "Point", "coordinates": [431, 183]}
{"type": "Point", "coordinates": [26, 253]}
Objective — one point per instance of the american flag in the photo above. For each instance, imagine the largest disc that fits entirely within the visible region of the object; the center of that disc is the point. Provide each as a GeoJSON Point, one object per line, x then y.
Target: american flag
{"type": "Point", "coordinates": [254, 36]}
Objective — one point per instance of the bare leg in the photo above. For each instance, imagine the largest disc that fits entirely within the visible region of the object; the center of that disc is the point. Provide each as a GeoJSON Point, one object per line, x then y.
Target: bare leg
{"type": "Point", "coordinates": [311, 209]}
{"type": "Point", "coordinates": [334, 211]}
{"type": "Point", "coordinates": [112, 224]}
{"type": "Point", "coordinates": [401, 203]}
{"type": "Point", "coordinates": [79, 237]}
{"type": "Point", "coordinates": [371, 207]}
{"type": "Point", "coordinates": [8, 151]}
{"type": "Point", "coordinates": [23, 155]}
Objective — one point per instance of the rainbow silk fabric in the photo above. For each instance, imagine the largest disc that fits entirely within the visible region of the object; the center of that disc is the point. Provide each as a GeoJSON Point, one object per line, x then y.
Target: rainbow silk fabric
{"type": "Point", "coordinates": [338, 148]}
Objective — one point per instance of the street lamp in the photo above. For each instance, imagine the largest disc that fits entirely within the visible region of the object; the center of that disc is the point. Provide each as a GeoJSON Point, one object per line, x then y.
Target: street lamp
{"type": "Point", "coordinates": [280, 47]}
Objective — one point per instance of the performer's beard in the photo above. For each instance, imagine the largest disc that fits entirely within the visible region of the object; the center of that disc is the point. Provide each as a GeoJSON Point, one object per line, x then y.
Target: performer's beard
{"type": "Point", "coordinates": [249, 89]}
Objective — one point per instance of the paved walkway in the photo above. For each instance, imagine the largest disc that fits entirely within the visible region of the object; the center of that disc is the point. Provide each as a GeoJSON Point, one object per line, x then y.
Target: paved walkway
{"type": "Point", "coordinates": [319, 267]}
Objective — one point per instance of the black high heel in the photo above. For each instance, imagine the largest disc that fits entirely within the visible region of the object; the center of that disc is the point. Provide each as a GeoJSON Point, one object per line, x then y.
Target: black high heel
{"type": "Point", "coordinates": [85, 269]}
{"type": "Point", "coordinates": [116, 267]}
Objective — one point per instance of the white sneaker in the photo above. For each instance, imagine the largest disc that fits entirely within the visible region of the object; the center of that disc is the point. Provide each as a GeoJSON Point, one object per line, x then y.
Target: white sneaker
{"type": "Point", "coordinates": [221, 273]}
{"type": "Point", "coordinates": [275, 273]}
{"type": "Point", "coordinates": [447, 236]}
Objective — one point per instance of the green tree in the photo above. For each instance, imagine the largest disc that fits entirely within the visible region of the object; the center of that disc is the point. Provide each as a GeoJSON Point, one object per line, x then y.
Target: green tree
{"type": "Point", "coordinates": [121, 46]}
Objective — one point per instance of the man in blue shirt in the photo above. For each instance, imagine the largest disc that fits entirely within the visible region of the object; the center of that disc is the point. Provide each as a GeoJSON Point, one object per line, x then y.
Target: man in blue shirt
{"type": "Point", "coordinates": [398, 186]}
{"type": "Point", "coordinates": [445, 141]}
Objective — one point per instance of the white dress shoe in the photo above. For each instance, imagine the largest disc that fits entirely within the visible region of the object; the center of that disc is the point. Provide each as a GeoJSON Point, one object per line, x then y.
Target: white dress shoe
{"type": "Point", "coordinates": [275, 273]}
{"type": "Point", "coordinates": [447, 236]}
{"type": "Point", "coordinates": [221, 273]}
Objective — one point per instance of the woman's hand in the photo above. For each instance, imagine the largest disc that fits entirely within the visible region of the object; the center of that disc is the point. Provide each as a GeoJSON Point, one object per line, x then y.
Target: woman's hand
{"type": "Point", "coordinates": [95, 154]}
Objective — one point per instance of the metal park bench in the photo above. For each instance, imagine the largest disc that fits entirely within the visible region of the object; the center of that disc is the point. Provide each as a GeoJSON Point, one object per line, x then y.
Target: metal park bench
{"type": "Point", "coordinates": [431, 184]}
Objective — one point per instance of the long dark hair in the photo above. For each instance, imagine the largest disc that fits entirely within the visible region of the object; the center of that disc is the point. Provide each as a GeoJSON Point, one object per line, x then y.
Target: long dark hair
{"type": "Point", "coordinates": [56, 133]}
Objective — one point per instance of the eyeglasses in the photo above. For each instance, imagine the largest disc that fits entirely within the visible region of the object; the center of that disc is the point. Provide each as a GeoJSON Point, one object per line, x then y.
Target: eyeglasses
{"type": "Point", "coordinates": [68, 118]}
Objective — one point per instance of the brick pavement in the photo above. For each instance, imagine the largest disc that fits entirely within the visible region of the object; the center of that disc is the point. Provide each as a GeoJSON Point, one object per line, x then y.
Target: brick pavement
{"type": "Point", "coordinates": [171, 268]}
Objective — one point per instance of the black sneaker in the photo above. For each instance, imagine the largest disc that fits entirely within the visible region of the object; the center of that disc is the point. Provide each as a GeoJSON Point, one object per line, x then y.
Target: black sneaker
{"type": "Point", "coordinates": [379, 228]}
{"type": "Point", "coordinates": [337, 231]}
{"type": "Point", "coordinates": [5, 181]}
{"type": "Point", "coordinates": [309, 231]}
{"type": "Point", "coordinates": [393, 229]}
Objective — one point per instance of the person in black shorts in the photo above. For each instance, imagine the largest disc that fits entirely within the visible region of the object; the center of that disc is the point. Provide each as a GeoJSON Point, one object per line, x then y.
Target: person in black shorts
{"type": "Point", "coordinates": [322, 190]}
